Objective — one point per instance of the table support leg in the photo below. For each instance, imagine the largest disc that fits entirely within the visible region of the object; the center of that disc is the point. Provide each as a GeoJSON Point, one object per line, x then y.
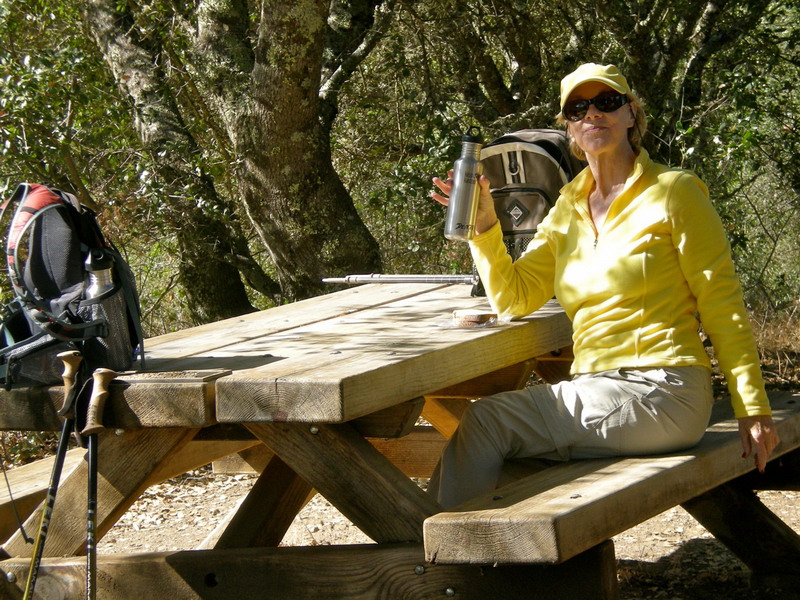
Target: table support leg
{"type": "Point", "coordinates": [336, 460]}
{"type": "Point", "coordinates": [738, 519]}
{"type": "Point", "coordinates": [268, 510]}
{"type": "Point", "coordinates": [360, 572]}
{"type": "Point", "coordinates": [127, 462]}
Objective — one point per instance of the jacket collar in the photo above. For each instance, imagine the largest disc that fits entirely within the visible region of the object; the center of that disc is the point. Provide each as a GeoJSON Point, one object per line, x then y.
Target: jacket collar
{"type": "Point", "coordinates": [578, 189]}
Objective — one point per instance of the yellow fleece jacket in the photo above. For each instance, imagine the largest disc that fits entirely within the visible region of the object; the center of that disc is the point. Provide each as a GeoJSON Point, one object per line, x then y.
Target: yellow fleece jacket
{"type": "Point", "coordinates": [634, 290]}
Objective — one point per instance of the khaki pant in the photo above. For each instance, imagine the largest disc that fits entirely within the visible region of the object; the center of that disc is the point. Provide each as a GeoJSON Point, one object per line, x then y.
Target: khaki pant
{"type": "Point", "coordinates": [610, 413]}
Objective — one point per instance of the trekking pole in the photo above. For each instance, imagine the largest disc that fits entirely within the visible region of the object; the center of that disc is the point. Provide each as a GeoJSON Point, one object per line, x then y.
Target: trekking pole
{"type": "Point", "coordinates": [72, 360]}
{"type": "Point", "coordinates": [94, 423]}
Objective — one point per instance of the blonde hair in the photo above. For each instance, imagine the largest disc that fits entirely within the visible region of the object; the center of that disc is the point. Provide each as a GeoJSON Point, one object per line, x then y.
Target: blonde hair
{"type": "Point", "coordinates": [635, 133]}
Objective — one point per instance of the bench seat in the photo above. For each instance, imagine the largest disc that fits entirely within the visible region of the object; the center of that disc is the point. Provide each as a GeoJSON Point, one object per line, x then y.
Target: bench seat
{"type": "Point", "coordinates": [29, 485]}
{"type": "Point", "coordinates": [564, 510]}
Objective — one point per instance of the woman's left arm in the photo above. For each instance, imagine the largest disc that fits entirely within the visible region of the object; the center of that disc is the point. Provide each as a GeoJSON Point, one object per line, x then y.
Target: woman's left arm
{"type": "Point", "coordinates": [705, 257]}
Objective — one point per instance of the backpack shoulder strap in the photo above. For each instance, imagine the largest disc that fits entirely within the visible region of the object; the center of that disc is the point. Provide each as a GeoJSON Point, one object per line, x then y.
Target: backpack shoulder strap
{"type": "Point", "coordinates": [553, 142]}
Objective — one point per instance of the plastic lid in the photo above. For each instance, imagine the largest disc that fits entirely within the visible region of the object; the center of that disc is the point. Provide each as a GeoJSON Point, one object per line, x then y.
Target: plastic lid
{"type": "Point", "coordinates": [98, 260]}
{"type": "Point", "coordinates": [473, 135]}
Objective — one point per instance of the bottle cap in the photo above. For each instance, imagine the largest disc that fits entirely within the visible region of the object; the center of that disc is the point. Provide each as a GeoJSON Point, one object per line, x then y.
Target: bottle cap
{"type": "Point", "coordinates": [472, 135]}
{"type": "Point", "coordinates": [98, 260]}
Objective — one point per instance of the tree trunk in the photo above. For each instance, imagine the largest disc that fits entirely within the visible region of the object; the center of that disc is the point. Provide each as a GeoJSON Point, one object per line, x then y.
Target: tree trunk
{"type": "Point", "coordinates": [207, 271]}
{"type": "Point", "coordinates": [268, 96]}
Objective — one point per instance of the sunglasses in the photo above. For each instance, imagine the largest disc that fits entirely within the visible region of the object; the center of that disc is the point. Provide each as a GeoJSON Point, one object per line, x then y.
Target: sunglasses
{"type": "Point", "coordinates": [607, 102]}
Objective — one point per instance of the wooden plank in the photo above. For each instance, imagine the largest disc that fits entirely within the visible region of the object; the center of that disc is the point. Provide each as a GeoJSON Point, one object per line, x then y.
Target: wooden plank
{"type": "Point", "coordinates": [738, 519]}
{"type": "Point", "coordinates": [560, 512]}
{"type": "Point", "coordinates": [163, 399]}
{"type": "Point", "coordinates": [144, 399]}
{"type": "Point", "coordinates": [364, 572]}
{"type": "Point", "coordinates": [374, 494]}
{"type": "Point", "coordinates": [250, 460]}
{"type": "Point", "coordinates": [415, 454]}
{"type": "Point", "coordinates": [268, 510]}
{"type": "Point", "coordinates": [29, 482]}
{"type": "Point", "coordinates": [445, 413]}
{"type": "Point", "coordinates": [333, 369]}
{"type": "Point", "coordinates": [553, 371]}
{"type": "Point", "coordinates": [196, 454]}
{"type": "Point", "coordinates": [29, 486]}
{"type": "Point", "coordinates": [127, 462]}
{"type": "Point", "coordinates": [513, 377]}
{"type": "Point", "coordinates": [393, 422]}
{"type": "Point", "coordinates": [198, 347]}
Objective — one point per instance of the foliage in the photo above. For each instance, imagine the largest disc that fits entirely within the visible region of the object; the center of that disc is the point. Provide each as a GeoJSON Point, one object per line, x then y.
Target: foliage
{"type": "Point", "coordinates": [21, 447]}
{"type": "Point", "coordinates": [63, 123]}
{"type": "Point", "coordinates": [718, 80]}
{"type": "Point", "coordinates": [748, 152]}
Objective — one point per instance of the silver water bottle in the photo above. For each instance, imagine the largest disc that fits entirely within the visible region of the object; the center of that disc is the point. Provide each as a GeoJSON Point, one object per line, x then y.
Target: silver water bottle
{"type": "Point", "coordinates": [99, 266]}
{"type": "Point", "coordinates": [462, 208]}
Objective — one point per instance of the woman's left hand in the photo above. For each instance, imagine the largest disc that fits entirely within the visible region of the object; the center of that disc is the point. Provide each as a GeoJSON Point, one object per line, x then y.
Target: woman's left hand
{"type": "Point", "coordinates": [759, 438]}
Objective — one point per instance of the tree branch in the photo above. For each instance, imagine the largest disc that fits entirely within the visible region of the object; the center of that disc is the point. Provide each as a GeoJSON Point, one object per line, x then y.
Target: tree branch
{"type": "Point", "coordinates": [332, 84]}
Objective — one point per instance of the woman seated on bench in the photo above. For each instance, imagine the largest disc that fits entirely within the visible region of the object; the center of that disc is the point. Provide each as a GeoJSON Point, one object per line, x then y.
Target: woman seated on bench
{"type": "Point", "coordinates": [634, 251]}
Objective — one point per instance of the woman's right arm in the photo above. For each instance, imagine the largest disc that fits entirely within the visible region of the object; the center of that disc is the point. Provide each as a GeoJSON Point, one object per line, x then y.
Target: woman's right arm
{"type": "Point", "coordinates": [515, 289]}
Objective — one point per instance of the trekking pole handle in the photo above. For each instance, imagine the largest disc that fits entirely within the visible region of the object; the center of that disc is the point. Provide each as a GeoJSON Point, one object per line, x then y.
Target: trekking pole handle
{"type": "Point", "coordinates": [97, 403]}
{"type": "Point", "coordinates": [72, 361]}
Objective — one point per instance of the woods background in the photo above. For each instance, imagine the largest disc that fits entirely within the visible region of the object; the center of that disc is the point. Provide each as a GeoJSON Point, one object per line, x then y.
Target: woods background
{"type": "Point", "coordinates": [239, 151]}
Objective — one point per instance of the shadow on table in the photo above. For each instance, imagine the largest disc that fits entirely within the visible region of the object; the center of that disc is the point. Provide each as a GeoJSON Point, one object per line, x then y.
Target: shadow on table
{"type": "Point", "coordinates": [206, 363]}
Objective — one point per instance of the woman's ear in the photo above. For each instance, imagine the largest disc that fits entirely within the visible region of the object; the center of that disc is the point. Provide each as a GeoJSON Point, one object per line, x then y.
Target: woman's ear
{"type": "Point", "coordinates": [633, 116]}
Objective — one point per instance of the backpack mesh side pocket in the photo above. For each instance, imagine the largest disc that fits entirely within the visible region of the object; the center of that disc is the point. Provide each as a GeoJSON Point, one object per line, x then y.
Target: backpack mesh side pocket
{"type": "Point", "coordinates": [114, 350]}
{"type": "Point", "coordinates": [34, 361]}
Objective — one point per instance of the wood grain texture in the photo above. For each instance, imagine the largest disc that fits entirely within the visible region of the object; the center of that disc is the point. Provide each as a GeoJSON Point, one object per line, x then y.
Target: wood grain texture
{"type": "Point", "coordinates": [204, 346]}
{"type": "Point", "coordinates": [393, 422]}
{"type": "Point", "coordinates": [268, 510]}
{"type": "Point", "coordinates": [415, 454]}
{"type": "Point", "coordinates": [336, 461]}
{"type": "Point", "coordinates": [344, 368]}
{"type": "Point", "coordinates": [364, 572]}
{"type": "Point", "coordinates": [29, 487]}
{"type": "Point", "coordinates": [508, 378]}
{"type": "Point", "coordinates": [151, 399]}
{"type": "Point", "coordinates": [126, 463]}
{"type": "Point", "coordinates": [445, 413]}
{"type": "Point", "coordinates": [564, 510]}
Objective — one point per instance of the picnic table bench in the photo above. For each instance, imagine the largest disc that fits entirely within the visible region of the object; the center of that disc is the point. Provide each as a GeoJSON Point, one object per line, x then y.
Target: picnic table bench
{"type": "Point", "coordinates": [329, 392]}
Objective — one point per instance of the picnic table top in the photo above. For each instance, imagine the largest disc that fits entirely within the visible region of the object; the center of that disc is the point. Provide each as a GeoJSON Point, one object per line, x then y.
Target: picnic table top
{"type": "Point", "coordinates": [330, 359]}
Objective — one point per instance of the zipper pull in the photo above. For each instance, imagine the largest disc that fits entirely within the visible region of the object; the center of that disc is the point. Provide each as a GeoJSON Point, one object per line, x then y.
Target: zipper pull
{"type": "Point", "coordinates": [513, 167]}
{"type": "Point", "coordinates": [595, 243]}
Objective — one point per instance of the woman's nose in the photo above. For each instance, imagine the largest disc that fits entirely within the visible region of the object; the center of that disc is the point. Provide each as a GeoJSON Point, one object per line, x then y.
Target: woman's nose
{"type": "Point", "coordinates": [592, 112]}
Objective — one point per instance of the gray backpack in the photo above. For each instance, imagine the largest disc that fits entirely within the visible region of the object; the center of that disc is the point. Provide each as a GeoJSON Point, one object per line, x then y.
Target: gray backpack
{"type": "Point", "coordinates": [72, 291]}
{"type": "Point", "coordinates": [526, 169]}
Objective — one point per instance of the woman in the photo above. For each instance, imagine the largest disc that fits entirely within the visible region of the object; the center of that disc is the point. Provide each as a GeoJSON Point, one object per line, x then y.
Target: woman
{"type": "Point", "coordinates": [636, 254]}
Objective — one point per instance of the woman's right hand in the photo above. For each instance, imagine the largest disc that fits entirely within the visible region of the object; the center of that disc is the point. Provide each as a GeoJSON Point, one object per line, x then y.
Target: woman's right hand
{"type": "Point", "coordinates": [486, 217]}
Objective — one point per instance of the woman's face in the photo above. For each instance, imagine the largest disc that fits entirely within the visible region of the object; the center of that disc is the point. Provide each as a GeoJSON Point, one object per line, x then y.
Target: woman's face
{"type": "Point", "coordinates": [599, 132]}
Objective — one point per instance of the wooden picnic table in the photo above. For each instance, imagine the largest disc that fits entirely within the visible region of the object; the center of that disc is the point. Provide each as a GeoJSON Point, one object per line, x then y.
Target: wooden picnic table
{"type": "Point", "coordinates": [313, 380]}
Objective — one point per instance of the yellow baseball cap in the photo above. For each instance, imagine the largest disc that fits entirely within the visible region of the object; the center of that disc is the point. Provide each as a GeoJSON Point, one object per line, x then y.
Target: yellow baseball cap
{"type": "Point", "coordinates": [608, 74]}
